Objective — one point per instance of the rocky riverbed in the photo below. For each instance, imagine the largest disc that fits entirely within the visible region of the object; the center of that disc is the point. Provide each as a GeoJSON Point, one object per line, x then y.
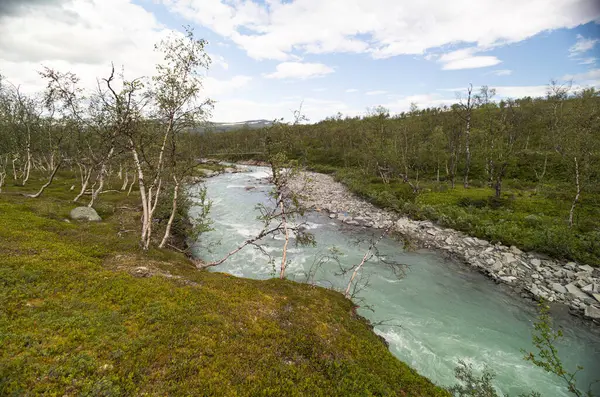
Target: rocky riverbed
{"type": "Point", "coordinates": [533, 276]}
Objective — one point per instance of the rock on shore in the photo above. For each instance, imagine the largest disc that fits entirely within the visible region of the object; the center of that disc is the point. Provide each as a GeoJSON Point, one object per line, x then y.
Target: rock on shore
{"type": "Point", "coordinates": [533, 276]}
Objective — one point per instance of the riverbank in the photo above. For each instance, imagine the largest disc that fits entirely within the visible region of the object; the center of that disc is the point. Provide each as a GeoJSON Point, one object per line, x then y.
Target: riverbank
{"type": "Point", "coordinates": [530, 275]}
{"type": "Point", "coordinates": [85, 311]}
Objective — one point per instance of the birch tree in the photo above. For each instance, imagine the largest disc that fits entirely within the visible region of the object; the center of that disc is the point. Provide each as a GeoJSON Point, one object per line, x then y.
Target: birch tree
{"type": "Point", "coordinates": [3, 165]}
{"type": "Point", "coordinates": [484, 101]}
{"type": "Point", "coordinates": [465, 113]}
{"type": "Point", "coordinates": [505, 140]}
{"type": "Point", "coordinates": [65, 99]}
{"type": "Point", "coordinates": [22, 117]}
{"type": "Point", "coordinates": [581, 142]}
{"type": "Point", "coordinates": [121, 104]}
{"type": "Point", "coordinates": [177, 92]}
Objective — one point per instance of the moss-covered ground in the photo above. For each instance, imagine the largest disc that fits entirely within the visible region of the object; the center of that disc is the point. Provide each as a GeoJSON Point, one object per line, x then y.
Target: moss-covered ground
{"type": "Point", "coordinates": [78, 317]}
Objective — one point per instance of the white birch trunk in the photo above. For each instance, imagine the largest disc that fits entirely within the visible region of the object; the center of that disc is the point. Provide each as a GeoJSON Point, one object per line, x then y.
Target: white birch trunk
{"type": "Point", "coordinates": [86, 173]}
{"type": "Point", "coordinates": [576, 200]}
{"type": "Point", "coordinates": [28, 159]}
{"type": "Point", "coordinates": [365, 258]}
{"type": "Point", "coordinates": [125, 181]}
{"type": "Point", "coordinates": [287, 239]}
{"type": "Point", "coordinates": [142, 187]}
{"type": "Point", "coordinates": [101, 176]}
{"type": "Point", "coordinates": [3, 172]}
{"type": "Point", "coordinates": [172, 217]}
{"type": "Point", "coordinates": [131, 185]}
{"type": "Point", "coordinates": [152, 202]}
{"type": "Point", "coordinates": [262, 234]}
{"type": "Point", "coordinates": [39, 193]}
{"type": "Point", "coordinates": [14, 168]}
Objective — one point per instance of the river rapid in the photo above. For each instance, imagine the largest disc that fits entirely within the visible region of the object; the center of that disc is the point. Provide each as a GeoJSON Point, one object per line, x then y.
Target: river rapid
{"type": "Point", "coordinates": [440, 312]}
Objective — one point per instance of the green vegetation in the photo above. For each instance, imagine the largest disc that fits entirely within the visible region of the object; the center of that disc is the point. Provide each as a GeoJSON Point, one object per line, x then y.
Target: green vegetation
{"type": "Point", "coordinates": [530, 177]}
{"type": "Point", "coordinates": [85, 311]}
{"type": "Point", "coordinates": [531, 220]}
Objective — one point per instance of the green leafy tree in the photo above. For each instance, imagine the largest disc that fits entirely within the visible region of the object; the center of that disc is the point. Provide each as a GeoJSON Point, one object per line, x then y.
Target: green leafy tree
{"type": "Point", "coordinates": [545, 339]}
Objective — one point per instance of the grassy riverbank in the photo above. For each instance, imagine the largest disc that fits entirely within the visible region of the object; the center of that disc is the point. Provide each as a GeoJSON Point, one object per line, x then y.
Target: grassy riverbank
{"type": "Point", "coordinates": [83, 311]}
{"type": "Point", "coordinates": [529, 216]}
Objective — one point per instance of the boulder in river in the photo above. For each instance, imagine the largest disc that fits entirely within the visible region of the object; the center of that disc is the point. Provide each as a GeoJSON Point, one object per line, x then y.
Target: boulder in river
{"type": "Point", "coordinates": [592, 312]}
{"type": "Point", "coordinates": [85, 214]}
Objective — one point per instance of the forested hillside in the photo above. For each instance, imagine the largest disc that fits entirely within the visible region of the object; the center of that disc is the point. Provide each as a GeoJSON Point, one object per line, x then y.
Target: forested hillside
{"type": "Point", "coordinates": [524, 172]}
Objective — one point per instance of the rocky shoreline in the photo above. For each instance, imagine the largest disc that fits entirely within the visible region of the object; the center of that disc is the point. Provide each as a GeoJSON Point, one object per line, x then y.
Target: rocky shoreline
{"type": "Point", "coordinates": [531, 275]}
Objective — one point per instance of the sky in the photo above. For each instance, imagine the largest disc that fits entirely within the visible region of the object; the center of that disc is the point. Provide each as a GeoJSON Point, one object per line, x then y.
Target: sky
{"type": "Point", "coordinates": [269, 57]}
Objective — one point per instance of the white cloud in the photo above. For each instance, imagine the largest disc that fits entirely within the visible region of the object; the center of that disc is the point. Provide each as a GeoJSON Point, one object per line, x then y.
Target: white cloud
{"type": "Point", "coordinates": [219, 61]}
{"type": "Point", "coordinates": [350, 90]}
{"type": "Point", "coordinates": [590, 75]}
{"type": "Point", "coordinates": [85, 36]}
{"type": "Point", "coordinates": [277, 29]}
{"type": "Point", "coordinates": [82, 36]}
{"type": "Point", "coordinates": [299, 70]}
{"type": "Point", "coordinates": [504, 91]}
{"type": "Point", "coordinates": [583, 80]}
{"type": "Point", "coordinates": [376, 92]}
{"type": "Point", "coordinates": [215, 88]}
{"type": "Point", "coordinates": [501, 72]}
{"type": "Point", "coordinates": [319, 89]}
{"type": "Point", "coordinates": [421, 100]}
{"type": "Point", "coordinates": [588, 61]}
{"type": "Point", "coordinates": [582, 45]}
{"type": "Point", "coordinates": [472, 63]}
{"type": "Point", "coordinates": [521, 91]}
{"type": "Point", "coordinates": [465, 59]}
{"type": "Point", "coordinates": [246, 109]}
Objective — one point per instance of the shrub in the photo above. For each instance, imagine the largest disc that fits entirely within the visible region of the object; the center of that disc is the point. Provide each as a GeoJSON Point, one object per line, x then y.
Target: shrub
{"type": "Point", "coordinates": [471, 202]}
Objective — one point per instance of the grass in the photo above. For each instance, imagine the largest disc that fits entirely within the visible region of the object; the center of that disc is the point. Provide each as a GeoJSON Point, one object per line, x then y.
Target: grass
{"type": "Point", "coordinates": [76, 318]}
{"type": "Point", "coordinates": [530, 217]}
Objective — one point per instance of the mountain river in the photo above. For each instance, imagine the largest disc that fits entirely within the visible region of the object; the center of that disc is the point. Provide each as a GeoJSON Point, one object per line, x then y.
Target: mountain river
{"type": "Point", "coordinates": [438, 313]}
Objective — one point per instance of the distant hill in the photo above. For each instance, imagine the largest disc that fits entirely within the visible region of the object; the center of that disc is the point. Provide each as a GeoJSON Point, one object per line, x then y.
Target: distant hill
{"type": "Point", "coordinates": [223, 127]}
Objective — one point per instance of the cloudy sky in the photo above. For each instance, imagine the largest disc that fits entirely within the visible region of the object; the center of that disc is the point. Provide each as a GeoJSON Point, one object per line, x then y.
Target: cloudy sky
{"type": "Point", "coordinates": [334, 55]}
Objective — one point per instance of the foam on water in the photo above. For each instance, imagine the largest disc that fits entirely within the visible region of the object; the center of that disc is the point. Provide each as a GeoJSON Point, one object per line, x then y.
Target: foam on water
{"type": "Point", "coordinates": [260, 174]}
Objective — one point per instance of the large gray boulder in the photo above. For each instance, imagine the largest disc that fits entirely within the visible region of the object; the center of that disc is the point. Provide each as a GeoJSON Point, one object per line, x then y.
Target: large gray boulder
{"type": "Point", "coordinates": [592, 312]}
{"type": "Point", "coordinates": [557, 287]}
{"type": "Point", "coordinates": [576, 292]}
{"type": "Point", "coordinates": [85, 214]}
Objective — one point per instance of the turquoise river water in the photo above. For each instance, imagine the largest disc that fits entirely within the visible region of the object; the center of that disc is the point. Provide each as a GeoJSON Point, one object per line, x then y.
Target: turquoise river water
{"type": "Point", "coordinates": [440, 312]}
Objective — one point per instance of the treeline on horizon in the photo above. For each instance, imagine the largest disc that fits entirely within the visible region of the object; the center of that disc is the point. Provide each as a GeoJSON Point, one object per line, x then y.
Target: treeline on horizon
{"type": "Point", "coordinates": [477, 154]}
